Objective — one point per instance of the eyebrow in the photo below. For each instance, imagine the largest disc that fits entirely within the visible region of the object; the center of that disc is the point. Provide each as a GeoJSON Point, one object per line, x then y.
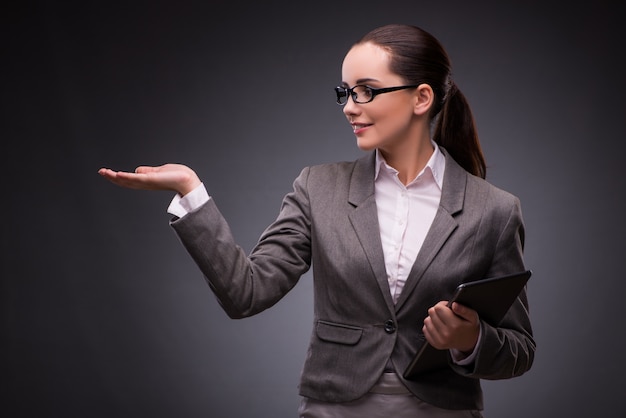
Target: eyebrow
{"type": "Point", "coordinates": [360, 81]}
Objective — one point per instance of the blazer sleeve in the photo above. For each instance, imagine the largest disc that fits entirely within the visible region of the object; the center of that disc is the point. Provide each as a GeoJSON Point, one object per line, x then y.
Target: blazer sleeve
{"type": "Point", "coordinates": [248, 284]}
{"type": "Point", "coordinates": [506, 350]}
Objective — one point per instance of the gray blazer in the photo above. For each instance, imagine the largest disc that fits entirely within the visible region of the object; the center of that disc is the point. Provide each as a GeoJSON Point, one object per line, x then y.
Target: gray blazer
{"type": "Point", "coordinates": [329, 221]}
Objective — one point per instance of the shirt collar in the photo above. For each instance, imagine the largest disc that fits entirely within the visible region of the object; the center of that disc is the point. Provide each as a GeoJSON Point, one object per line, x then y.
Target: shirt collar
{"type": "Point", "coordinates": [436, 165]}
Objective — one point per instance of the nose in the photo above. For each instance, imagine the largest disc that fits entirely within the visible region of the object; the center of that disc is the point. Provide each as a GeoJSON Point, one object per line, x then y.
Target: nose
{"type": "Point", "coordinates": [351, 108]}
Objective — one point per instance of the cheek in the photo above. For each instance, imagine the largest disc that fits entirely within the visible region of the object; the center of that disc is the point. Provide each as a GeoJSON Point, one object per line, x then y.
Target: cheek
{"type": "Point", "coordinates": [394, 122]}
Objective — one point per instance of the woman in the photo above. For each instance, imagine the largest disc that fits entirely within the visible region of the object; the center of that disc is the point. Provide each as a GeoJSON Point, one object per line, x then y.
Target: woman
{"type": "Point", "coordinates": [389, 237]}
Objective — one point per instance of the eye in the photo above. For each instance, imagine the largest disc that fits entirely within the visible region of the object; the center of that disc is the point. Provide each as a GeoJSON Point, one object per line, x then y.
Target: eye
{"type": "Point", "coordinates": [363, 93]}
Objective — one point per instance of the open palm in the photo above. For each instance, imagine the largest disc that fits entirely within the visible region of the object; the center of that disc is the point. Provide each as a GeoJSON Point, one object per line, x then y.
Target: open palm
{"type": "Point", "coordinates": [175, 177]}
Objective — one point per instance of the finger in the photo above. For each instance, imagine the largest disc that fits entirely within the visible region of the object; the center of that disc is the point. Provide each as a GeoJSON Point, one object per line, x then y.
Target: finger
{"type": "Point", "coordinates": [433, 322]}
{"type": "Point", "coordinates": [105, 171]}
{"type": "Point", "coordinates": [428, 334]}
{"type": "Point", "coordinates": [143, 169]}
{"type": "Point", "coordinates": [464, 312]}
{"type": "Point", "coordinates": [126, 179]}
{"type": "Point", "coordinates": [108, 173]}
{"type": "Point", "coordinates": [432, 334]}
{"type": "Point", "coordinates": [441, 314]}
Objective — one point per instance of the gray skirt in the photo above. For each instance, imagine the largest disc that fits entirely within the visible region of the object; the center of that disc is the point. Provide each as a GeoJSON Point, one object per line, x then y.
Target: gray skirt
{"type": "Point", "coordinates": [388, 398]}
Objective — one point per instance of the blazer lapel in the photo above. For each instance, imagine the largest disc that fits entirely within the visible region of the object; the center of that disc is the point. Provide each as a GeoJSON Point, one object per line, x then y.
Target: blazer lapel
{"type": "Point", "coordinates": [364, 220]}
{"type": "Point", "coordinates": [452, 197]}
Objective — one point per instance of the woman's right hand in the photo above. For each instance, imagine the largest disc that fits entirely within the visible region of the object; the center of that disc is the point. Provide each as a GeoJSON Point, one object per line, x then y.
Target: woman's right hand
{"type": "Point", "coordinates": [175, 177]}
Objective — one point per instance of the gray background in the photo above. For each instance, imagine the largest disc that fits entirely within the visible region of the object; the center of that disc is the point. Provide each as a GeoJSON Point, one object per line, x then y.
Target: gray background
{"type": "Point", "coordinates": [103, 314]}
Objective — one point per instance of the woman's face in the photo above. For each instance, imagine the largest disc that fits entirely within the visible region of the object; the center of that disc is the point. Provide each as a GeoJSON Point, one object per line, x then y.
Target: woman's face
{"type": "Point", "coordinates": [387, 121]}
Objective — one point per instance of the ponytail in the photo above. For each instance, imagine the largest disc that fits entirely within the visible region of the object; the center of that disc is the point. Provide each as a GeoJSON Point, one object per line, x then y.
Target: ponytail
{"type": "Point", "coordinates": [455, 131]}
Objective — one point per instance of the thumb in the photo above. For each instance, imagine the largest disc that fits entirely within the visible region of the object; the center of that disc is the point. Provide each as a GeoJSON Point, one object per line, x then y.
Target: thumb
{"type": "Point", "coordinates": [142, 169]}
{"type": "Point", "coordinates": [463, 311]}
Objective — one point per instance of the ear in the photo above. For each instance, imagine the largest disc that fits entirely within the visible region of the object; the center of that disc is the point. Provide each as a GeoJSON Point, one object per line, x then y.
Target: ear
{"type": "Point", "coordinates": [424, 98]}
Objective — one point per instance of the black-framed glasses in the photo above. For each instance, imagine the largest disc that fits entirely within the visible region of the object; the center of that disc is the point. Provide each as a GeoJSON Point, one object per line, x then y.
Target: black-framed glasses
{"type": "Point", "coordinates": [364, 94]}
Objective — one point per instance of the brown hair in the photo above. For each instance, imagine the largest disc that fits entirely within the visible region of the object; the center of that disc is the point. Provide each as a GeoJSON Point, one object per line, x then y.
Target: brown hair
{"type": "Point", "coordinates": [419, 57]}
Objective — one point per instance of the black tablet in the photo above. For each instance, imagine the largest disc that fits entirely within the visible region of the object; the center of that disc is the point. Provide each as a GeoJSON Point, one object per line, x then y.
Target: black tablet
{"type": "Point", "coordinates": [493, 297]}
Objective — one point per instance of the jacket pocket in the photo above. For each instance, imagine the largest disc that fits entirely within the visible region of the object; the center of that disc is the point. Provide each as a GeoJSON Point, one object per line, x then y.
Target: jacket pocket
{"type": "Point", "coordinates": [338, 333]}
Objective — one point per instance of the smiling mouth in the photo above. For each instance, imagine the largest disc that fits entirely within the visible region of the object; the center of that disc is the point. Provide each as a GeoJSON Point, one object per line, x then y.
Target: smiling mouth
{"type": "Point", "coordinates": [356, 126]}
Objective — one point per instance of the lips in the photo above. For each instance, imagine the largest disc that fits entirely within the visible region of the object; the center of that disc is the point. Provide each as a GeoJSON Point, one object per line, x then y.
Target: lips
{"type": "Point", "coordinates": [358, 127]}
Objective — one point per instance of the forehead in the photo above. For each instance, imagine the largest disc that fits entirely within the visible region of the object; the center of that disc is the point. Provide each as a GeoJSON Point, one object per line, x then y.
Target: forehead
{"type": "Point", "coordinates": [366, 62]}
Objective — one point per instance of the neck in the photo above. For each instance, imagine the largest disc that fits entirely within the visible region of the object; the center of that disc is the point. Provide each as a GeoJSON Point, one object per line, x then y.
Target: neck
{"type": "Point", "coordinates": [409, 159]}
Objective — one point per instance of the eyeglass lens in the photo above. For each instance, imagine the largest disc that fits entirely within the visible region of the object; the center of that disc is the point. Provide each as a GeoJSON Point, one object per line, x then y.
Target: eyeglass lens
{"type": "Point", "coordinates": [360, 94]}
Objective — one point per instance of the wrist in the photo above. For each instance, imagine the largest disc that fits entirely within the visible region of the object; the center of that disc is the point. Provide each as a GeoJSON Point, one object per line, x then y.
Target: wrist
{"type": "Point", "coordinates": [189, 184]}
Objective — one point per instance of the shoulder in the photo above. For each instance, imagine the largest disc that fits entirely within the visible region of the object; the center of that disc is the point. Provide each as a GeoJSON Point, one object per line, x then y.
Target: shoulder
{"type": "Point", "coordinates": [474, 196]}
{"type": "Point", "coordinates": [474, 187]}
{"type": "Point", "coordinates": [341, 166]}
{"type": "Point", "coordinates": [494, 193]}
{"type": "Point", "coordinates": [495, 206]}
{"type": "Point", "coordinates": [334, 171]}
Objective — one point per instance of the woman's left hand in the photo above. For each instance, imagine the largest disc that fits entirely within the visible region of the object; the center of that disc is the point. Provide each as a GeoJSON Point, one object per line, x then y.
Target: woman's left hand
{"type": "Point", "coordinates": [457, 328]}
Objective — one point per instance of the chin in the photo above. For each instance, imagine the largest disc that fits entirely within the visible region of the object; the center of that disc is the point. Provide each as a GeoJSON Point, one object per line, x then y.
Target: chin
{"type": "Point", "coordinates": [365, 145]}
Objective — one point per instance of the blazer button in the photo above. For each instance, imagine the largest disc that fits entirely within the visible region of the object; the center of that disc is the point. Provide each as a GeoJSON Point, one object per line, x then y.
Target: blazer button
{"type": "Point", "coordinates": [390, 326]}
